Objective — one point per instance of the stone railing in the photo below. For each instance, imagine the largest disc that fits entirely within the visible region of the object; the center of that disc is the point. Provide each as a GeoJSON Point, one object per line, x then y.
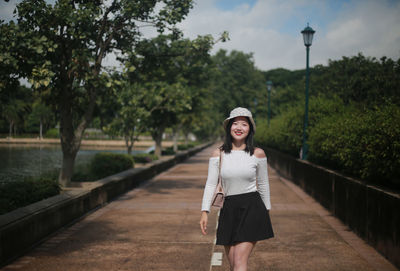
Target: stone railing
{"type": "Point", "coordinates": [372, 212]}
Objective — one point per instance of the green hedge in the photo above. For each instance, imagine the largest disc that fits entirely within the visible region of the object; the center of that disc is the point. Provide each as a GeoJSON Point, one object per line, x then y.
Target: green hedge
{"type": "Point", "coordinates": [105, 164]}
{"type": "Point", "coordinates": [52, 133]}
{"type": "Point", "coordinates": [183, 147]}
{"type": "Point", "coordinates": [363, 143]}
{"type": "Point", "coordinates": [286, 130]}
{"type": "Point", "coordinates": [166, 151]}
{"type": "Point", "coordinates": [144, 157]}
{"type": "Point", "coordinates": [18, 194]}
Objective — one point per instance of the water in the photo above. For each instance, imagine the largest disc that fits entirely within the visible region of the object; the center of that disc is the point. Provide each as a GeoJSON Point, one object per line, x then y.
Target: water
{"type": "Point", "coordinates": [17, 161]}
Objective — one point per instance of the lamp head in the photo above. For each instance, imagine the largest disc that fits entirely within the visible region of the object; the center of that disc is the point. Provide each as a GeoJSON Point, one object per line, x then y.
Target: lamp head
{"type": "Point", "coordinates": [308, 34]}
{"type": "Point", "coordinates": [269, 84]}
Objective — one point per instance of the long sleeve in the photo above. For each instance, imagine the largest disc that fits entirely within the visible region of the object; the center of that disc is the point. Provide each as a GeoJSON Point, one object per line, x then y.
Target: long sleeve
{"type": "Point", "coordinates": [211, 184]}
{"type": "Point", "coordinates": [263, 182]}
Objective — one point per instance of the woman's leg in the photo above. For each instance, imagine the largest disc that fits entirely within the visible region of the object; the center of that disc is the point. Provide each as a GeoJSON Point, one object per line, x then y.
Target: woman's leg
{"type": "Point", "coordinates": [241, 252]}
{"type": "Point", "coordinates": [229, 253]}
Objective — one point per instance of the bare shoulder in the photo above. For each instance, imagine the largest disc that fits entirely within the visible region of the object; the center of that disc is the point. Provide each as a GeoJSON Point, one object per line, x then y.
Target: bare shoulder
{"type": "Point", "coordinates": [215, 153]}
{"type": "Point", "coordinates": [259, 153]}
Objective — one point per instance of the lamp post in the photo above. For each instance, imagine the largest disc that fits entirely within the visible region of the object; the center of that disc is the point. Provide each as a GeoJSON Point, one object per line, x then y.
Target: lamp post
{"type": "Point", "coordinates": [308, 34]}
{"type": "Point", "coordinates": [269, 85]}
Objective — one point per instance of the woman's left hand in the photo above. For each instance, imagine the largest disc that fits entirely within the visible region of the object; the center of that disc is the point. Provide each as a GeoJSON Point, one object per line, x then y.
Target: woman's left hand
{"type": "Point", "coordinates": [203, 222]}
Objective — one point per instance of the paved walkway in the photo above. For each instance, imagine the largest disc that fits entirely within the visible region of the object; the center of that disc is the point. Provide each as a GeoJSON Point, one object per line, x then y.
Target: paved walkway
{"type": "Point", "coordinates": [156, 227]}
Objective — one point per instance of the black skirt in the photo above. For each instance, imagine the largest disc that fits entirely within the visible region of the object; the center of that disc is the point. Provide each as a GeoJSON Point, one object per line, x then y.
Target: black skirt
{"type": "Point", "coordinates": [243, 218]}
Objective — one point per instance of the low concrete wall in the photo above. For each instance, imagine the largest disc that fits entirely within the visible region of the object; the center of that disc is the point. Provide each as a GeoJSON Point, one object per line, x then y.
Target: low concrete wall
{"type": "Point", "coordinates": [371, 212]}
{"type": "Point", "coordinates": [23, 228]}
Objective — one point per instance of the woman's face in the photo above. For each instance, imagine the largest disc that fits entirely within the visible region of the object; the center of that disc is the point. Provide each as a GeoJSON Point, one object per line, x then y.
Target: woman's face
{"type": "Point", "coordinates": [240, 128]}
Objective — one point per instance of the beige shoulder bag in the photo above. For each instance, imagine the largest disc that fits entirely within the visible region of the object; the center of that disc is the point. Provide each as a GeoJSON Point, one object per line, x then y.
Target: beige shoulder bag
{"type": "Point", "coordinates": [219, 195]}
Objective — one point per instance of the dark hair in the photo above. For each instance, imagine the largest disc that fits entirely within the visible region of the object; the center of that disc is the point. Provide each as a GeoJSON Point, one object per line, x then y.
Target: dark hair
{"type": "Point", "coordinates": [227, 146]}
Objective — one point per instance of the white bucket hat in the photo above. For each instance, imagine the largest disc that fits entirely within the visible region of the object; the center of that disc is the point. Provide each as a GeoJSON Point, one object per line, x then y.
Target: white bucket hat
{"type": "Point", "coordinates": [240, 112]}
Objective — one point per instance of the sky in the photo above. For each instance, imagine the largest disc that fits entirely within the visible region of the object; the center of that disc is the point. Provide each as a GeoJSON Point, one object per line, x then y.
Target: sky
{"type": "Point", "coordinates": [270, 29]}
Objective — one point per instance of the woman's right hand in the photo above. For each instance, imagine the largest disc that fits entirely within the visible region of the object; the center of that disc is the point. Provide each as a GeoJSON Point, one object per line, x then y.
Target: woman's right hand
{"type": "Point", "coordinates": [203, 222]}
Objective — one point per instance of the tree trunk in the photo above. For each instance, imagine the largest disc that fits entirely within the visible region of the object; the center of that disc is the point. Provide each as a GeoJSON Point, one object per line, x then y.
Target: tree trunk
{"type": "Point", "coordinates": [157, 137]}
{"type": "Point", "coordinates": [10, 131]}
{"type": "Point", "coordinates": [71, 136]}
{"type": "Point", "coordinates": [129, 143]}
{"type": "Point", "coordinates": [175, 138]}
{"type": "Point", "coordinates": [70, 143]}
{"type": "Point", "coordinates": [67, 168]}
{"type": "Point", "coordinates": [186, 138]}
{"type": "Point", "coordinates": [41, 129]}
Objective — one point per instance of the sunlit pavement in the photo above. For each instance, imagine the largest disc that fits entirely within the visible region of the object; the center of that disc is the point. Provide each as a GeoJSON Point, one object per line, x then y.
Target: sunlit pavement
{"type": "Point", "coordinates": [156, 227]}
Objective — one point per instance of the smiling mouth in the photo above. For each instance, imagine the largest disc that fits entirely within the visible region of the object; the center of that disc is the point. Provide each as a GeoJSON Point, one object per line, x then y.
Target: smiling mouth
{"type": "Point", "coordinates": [238, 133]}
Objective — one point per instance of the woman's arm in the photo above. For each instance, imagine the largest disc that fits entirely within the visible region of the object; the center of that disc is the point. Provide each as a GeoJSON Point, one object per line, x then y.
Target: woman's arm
{"type": "Point", "coordinates": [262, 177]}
{"type": "Point", "coordinates": [211, 184]}
{"type": "Point", "coordinates": [212, 181]}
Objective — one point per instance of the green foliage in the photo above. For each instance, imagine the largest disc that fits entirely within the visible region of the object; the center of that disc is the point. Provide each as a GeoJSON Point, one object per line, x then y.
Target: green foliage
{"type": "Point", "coordinates": [172, 73]}
{"type": "Point", "coordinates": [60, 48]}
{"type": "Point", "coordinates": [286, 130]}
{"type": "Point", "coordinates": [52, 133]}
{"type": "Point", "coordinates": [359, 79]}
{"type": "Point", "coordinates": [363, 143]}
{"type": "Point", "coordinates": [237, 82]}
{"type": "Point", "coordinates": [41, 114]}
{"type": "Point", "coordinates": [187, 146]}
{"type": "Point", "coordinates": [144, 157]}
{"type": "Point", "coordinates": [353, 116]}
{"type": "Point", "coordinates": [18, 194]}
{"type": "Point", "coordinates": [15, 106]}
{"type": "Point", "coordinates": [105, 164]}
{"type": "Point", "coordinates": [82, 173]}
{"type": "Point", "coordinates": [281, 77]}
{"type": "Point", "coordinates": [168, 151]}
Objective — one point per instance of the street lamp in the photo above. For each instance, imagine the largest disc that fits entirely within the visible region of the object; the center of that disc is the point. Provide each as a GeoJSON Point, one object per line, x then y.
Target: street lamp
{"type": "Point", "coordinates": [269, 85]}
{"type": "Point", "coordinates": [308, 34]}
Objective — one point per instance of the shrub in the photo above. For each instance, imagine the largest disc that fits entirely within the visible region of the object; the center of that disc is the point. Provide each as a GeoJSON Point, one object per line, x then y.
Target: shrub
{"type": "Point", "coordinates": [144, 157]}
{"type": "Point", "coordinates": [82, 173]}
{"type": "Point", "coordinates": [168, 151]}
{"type": "Point", "coordinates": [52, 133]}
{"type": "Point", "coordinates": [286, 130]}
{"type": "Point", "coordinates": [105, 164]}
{"type": "Point", "coordinates": [102, 165]}
{"type": "Point", "coordinates": [187, 146]}
{"type": "Point", "coordinates": [363, 143]}
{"type": "Point", "coordinates": [18, 194]}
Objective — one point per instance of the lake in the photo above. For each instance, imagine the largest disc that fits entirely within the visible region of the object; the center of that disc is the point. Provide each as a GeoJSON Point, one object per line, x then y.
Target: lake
{"type": "Point", "coordinates": [17, 160]}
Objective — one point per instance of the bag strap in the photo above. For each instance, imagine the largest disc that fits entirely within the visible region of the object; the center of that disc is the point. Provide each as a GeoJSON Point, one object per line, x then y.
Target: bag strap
{"type": "Point", "coordinates": [219, 168]}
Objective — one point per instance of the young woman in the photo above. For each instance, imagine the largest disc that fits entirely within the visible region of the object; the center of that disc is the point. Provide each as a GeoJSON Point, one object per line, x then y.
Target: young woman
{"type": "Point", "coordinates": [244, 218]}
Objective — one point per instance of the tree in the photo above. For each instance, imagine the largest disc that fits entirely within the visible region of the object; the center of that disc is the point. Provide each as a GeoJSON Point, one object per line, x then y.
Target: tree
{"type": "Point", "coordinates": [9, 84]}
{"type": "Point", "coordinates": [130, 117]}
{"type": "Point", "coordinates": [170, 71]}
{"type": "Point", "coordinates": [64, 46]}
{"type": "Point", "coordinates": [237, 82]}
{"type": "Point", "coordinates": [16, 107]}
{"type": "Point", "coordinates": [39, 118]}
{"type": "Point", "coordinates": [164, 102]}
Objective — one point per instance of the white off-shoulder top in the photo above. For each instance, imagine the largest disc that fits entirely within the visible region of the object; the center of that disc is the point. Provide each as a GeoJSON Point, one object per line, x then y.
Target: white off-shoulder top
{"type": "Point", "coordinates": [241, 173]}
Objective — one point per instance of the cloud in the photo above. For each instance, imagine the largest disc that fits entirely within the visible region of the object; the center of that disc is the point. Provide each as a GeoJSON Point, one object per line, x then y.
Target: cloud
{"type": "Point", "coordinates": [370, 27]}
{"type": "Point", "coordinates": [271, 29]}
{"type": "Point", "coordinates": [7, 9]}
